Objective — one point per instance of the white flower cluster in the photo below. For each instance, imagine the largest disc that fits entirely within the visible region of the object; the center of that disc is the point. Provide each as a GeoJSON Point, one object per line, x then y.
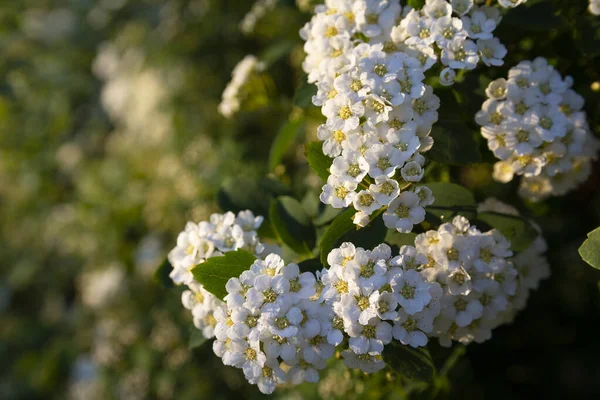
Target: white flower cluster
{"type": "Point", "coordinates": [375, 298]}
{"type": "Point", "coordinates": [535, 125]}
{"type": "Point", "coordinates": [531, 263]}
{"type": "Point", "coordinates": [273, 318]}
{"type": "Point", "coordinates": [594, 7]}
{"type": "Point", "coordinates": [456, 33]}
{"type": "Point", "coordinates": [379, 112]}
{"type": "Point", "coordinates": [482, 285]}
{"type": "Point", "coordinates": [280, 325]}
{"type": "Point", "coordinates": [231, 99]}
{"type": "Point", "coordinates": [198, 242]}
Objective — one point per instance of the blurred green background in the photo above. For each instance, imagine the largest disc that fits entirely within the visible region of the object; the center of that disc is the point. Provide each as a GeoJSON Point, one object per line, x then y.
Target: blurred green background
{"type": "Point", "coordinates": [110, 140]}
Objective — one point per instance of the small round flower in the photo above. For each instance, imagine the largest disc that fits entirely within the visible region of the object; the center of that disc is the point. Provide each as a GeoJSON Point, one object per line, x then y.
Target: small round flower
{"type": "Point", "coordinates": [447, 77]}
{"type": "Point", "coordinates": [410, 290]}
{"type": "Point", "coordinates": [384, 190]}
{"type": "Point", "coordinates": [365, 202]}
{"type": "Point", "coordinates": [350, 166]}
{"type": "Point", "coordinates": [460, 54]}
{"type": "Point", "coordinates": [404, 212]}
{"type": "Point", "coordinates": [338, 193]}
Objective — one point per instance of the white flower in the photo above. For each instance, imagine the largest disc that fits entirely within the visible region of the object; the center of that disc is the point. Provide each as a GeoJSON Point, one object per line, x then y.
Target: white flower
{"type": "Point", "coordinates": [479, 26]}
{"type": "Point", "coordinates": [338, 193]}
{"type": "Point", "coordinates": [503, 172]}
{"type": "Point", "coordinates": [370, 338]}
{"type": "Point", "coordinates": [267, 377]}
{"type": "Point", "coordinates": [437, 9]}
{"type": "Point", "coordinates": [383, 160]}
{"type": "Point", "coordinates": [412, 172]}
{"type": "Point", "coordinates": [447, 76]}
{"type": "Point", "coordinates": [350, 166]}
{"type": "Point", "coordinates": [343, 113]}
{"type": "Point", "coordinates": [497, 89]}
{"type": "Point", "coordinates": [333, 140]}
{"type": "Point", "coordinates": [384, 190]}
{"type": "Point", "coordinates": [365, 201]}
{"type": "Point", "coordinates": [448, 29]}
{"type": "Point", "coordinates": [410, 290]}
{"type": "Point", "coordinates": [404, 212]}
{"type": "Point", "coordinates": [425, 196]}
{"type": "Point", "coordinates": [410, 329]}
{"type": "Point", "coordinates": [461, 7]}
{"type": "Point", "coordinates": [492, 51]}
{"type": "Point", "coordinates": [460, 54]}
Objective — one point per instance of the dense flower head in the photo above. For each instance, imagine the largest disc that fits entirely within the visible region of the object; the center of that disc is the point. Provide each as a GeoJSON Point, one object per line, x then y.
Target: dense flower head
{"type": "Point", "coordinates": [272, 325]}
{"type": "Point", "coordinates": [368, 59]}
{"type": "Point", "coordinates": [198, 242]}
{"type": "Point", "coordinates": [531, 263]}
{"type": "Point", "coordinates": [376, 298]}
{"type": "Point", "coordinates": [535, 124]}
{"type": "Point", "coordinates": [483, 284]}
{"type": "Point", "coordinates": [281, 325]}
{"type": "Point", "coordinates": [458, 34]}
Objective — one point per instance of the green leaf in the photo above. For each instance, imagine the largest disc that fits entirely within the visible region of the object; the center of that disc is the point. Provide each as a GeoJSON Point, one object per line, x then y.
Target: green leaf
{"type": "Point", "coordinates": [311, 203]}
{"type": "Point", "coordinates": [291, 224]}
{"type": "Point", "coordinates": [341, 225]}
{"type": "Point", "coordinates": [451, 200]}
{"type": "Point", "coordinates": [454, 144]}
{"type": "Point", "coordinates": [342, 229]}
{"type": "Point", "coordinates": [590, 249]}
{"type": "Point", "coordinates": [516, 229]}
{"type": "Point", "coordinates": [416, 4]}
{"type": "Point", "coordinates": [317, 160]}
{"type": "Point", "coordinates": [284, 140]}
{"type": "Point", "coordinates": [304, 93]}
{"type": "Point", "coordinates": [161, 275]}
{"type": "Point", "coordinates": [216, 271]}
{"type": "Point", "coordinates": [400, 239]}
{"type": "Point", "coordinates": [312, 265]}
{"type": "Point", "coordinates": [197, 339]}
{"type": "Point", "coordinates": [326, 215]}
{"type": "Point", "coordinates": [415, 364]}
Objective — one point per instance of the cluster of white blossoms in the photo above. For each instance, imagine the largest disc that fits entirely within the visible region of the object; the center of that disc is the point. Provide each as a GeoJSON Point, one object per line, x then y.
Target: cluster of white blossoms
{"type": "Point", "coordinates": [376, 298]}
{"type": "Point", "coordinates": [198, 242]}
{"type": "Point", "coordinates": [273, 319]}
{"type": "Point", "coordinates": [379, 112]}
{"type": "Point", "coordinates": [458, 34]}
{"type": "Point", "coordinates": [232, 95]}
{"type": "Point", "coordinates": [531, 263]}
{"type": "Point", "coordinates": [594, 7]}
{"type": "Point", "coordinates": [535, 125]}
{"type": "Point", "coordinates": [280, 325]}
{"type": "Point", "coordinates": [476, 275]}
{"type": "Point", "coordinates": [368, 59]}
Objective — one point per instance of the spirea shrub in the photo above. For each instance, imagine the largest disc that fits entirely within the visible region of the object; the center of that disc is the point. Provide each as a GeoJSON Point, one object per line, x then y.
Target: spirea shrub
{"type": "Point", "coordinates": [392, 255]}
